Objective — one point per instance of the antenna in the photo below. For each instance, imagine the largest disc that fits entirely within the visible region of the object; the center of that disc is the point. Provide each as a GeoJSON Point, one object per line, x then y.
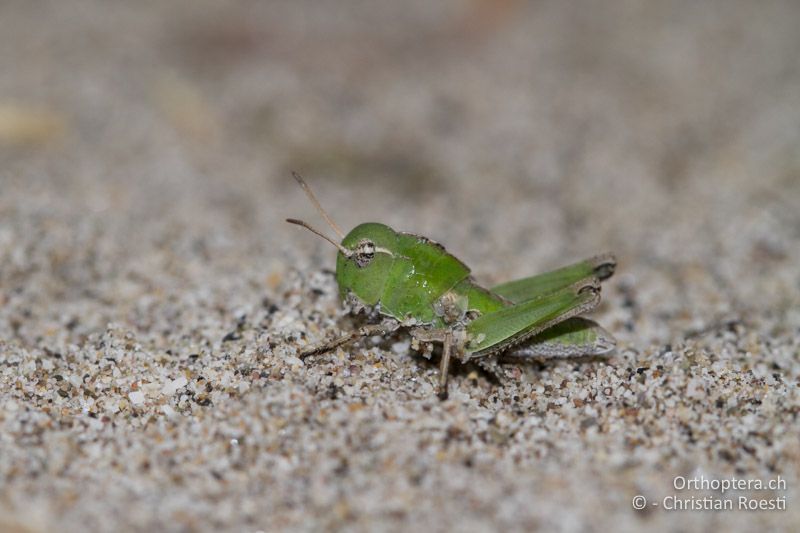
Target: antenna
{"type": "Point", "coordinates": [345, 251]}
{"type": "Point", "coordinates": [316, 203]}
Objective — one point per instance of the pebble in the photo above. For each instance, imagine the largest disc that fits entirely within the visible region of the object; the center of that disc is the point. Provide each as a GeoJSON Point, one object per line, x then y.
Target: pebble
{"type": "Point", "coordinates": [137, 397]}
{"type": "Point", "coordinates": [172, 386]}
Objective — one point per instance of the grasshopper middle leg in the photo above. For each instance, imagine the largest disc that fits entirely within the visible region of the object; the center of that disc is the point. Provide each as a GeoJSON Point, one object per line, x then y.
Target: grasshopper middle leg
{"type": "Point", "coordinates": [450, 342]}
{"type": "Point", "coordinates": [444, 365]}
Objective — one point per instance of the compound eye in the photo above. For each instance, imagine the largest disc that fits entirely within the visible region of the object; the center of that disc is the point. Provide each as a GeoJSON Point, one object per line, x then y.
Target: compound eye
{"type": "Point", "coordinates": [365, 251]}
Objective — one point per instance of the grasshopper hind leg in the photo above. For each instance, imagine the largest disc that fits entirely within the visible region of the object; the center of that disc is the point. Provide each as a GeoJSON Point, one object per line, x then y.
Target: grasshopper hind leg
{"type": "Point", "coordinates": [491, 365]}
{"type": "Point", "coordinates": [575, 337]}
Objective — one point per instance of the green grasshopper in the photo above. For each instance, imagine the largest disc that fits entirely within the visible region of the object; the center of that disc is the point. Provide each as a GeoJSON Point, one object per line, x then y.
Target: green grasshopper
{"type": "Point", "coordinates": [410, 281]}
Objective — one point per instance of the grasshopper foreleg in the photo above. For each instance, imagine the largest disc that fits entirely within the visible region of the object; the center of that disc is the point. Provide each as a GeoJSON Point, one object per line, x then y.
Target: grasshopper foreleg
{"type": "Point", "coordinates": [364, 331]}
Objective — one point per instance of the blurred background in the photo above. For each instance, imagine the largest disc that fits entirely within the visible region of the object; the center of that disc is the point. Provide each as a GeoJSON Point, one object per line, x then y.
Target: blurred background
{"type": "Point", "coordinates": [146, 150]}
{"type": "Point", "coordinates": [522, 134]}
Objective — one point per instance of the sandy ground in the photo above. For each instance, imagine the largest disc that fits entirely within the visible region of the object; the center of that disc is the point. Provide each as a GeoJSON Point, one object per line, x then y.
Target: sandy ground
{"type": "Point", "coordinates": [152, 300]}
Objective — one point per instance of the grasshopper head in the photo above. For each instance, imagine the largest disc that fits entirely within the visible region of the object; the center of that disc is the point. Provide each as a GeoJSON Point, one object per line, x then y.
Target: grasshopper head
{"type": "Point", "coordinates": [363, 267]}
{"type": "Point", "coordinates": [365, 254]}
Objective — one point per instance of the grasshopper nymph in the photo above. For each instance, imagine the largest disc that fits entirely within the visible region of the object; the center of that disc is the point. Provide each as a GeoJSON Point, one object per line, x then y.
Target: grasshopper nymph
{"type": "Point", "coordinates": [412, 282]}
